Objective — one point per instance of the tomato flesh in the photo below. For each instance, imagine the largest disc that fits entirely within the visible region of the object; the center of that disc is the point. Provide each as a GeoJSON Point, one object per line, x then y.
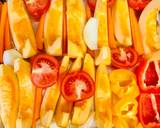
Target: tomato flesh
{"type": "Point", "coordinates": [138, 4]}
{"type": "Point", "coordinates": [149, 110]}
{"type": "Point", "coordinates": [77, 86]}
{"type": "Point", "coordinates": [37, 7]}
{"type": "Point", "coordinates": [124, 57]}
{"type": "Point", "coordinates": [44, 70]}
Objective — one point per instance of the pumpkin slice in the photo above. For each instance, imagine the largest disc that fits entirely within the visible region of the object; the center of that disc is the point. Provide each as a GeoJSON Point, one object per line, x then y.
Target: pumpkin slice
{"type": "Point", "coordinates": [103, 98]}
{"type": "Point", "coordinates": [76, 18]}
{"type": "Point", "coordinates": [26, 96]}
{"type": "Point", "coordinates": [53, 28]}
{"type": "Point", "coordinates": [21, 28]}
{"type": "Point", "coordinates": [9, 94]}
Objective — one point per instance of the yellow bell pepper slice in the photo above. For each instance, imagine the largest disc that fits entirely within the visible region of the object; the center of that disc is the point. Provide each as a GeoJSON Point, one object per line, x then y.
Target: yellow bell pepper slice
{"type": "Point", "coordinates": [76, 18]}
{"type": "Point", "coordinates": [126, 108]}
{"type": "Point", "coordinates": [100, 14]}
{"type": "Point", "coordinates": [64, 107]}
{"type": "Point", "coordinates": [53, 28]}
{"type": "Point", "coordinates": [22, 69]}
{"type": "Point", "coordinates": [119, 123]}
{"type": "Point", "coordinates": [9, 96]}
{"type": "Point", "coordinates": [123, 83]}
{"type": "Point", "coordinates": [82, 112]}
{"type": "Point", "coordinates": [103, 98]}
{"type": "Point", "coordinates": [52, 94]}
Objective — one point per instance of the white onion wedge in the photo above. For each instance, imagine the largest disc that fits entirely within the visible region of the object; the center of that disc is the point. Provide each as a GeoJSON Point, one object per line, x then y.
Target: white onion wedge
{"type": "Point", "coordinates": [10, 56]}
{"type": "Point", "coordinates": [90, 33]}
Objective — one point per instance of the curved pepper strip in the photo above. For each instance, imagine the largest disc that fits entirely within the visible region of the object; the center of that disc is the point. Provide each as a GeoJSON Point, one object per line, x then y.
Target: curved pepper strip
{"type": "Point", "coordinates": [123, 83]}
{"type": "Point", "coordinates": [126, 108]}
{"type": "Point", "coordinates": [149, 110]}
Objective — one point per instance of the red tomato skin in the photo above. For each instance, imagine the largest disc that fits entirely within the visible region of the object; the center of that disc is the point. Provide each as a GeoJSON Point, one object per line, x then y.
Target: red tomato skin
{"type": "Point", "coordinates": [138, 5]}
{"type": "Point", "coordinates": [74, 75]}
{"type": "Point", "coordinates": [36, 11]}
{"type": "Point", "coordinates": [139, 73]}
{"type": "Point", "coordinates": [54, 75]}
{"type": "Point", "coordinates": [117, 64]}
{"type": "Point", "coordinates": [140, 115]}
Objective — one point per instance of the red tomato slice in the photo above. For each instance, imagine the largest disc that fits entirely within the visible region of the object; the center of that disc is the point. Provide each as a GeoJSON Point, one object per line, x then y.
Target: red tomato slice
{"type": "Point", "coordinates": [149, 110]}
{"type": "Point", "coordinates": [124, 57]}
{"type": "Point", "coordinates": [92, 3]}
{"type": "Point", "coordinates": [37, 7]}
{"type": "Point", "coordinates": [138, 4]}
{"type": "Point", "coordinates": [77, 86]}
{"type": "Point", "coordinates": [45, 70]}
{"type": "Point", "coordinates": [148, 76]}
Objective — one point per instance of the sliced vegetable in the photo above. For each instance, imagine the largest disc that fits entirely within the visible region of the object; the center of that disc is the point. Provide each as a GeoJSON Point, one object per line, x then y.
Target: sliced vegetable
{"type": "Point", "coordinates": [136, 35]}
{"type": "Point", "coordinates": [111, 39]}
{"type": "Point", "coordinates": [121, 22]}
{"type": "Point", "coordinates": [124, 57]}
{"type": "Point", "coordinates": [103, 116]}
{"type": "Point", "coordinates": [82, 109]}
{"type": "Point", "coordinates": [52, 93]}
{"type": "Point", "coordinates": [149, 109]}
{"type": "Point", "coordinates": [7, 36]}
{"type": "Point", "coordinates": [124, 85]}
{"type": "Point", "coordinates": [110, 3]}
{"type": "Point", "coordinates": [92, 4]}
{"type": "Point", "coordinates": [88, 11]}
{"type": "Point", "coordinates": [40, 33]}
{"type": "Point", "coordinates": [21, 29]}
{"type": "Point", "coordinates": [37, 105]}
{"type": "Point", "coordinates": [63, 107]}
{"type": "Point", "coordinates": [45, 70]}
{"type": "Point", "coordinates": [138, 4]}
{"type": "Point", "coordinates": [76, 23]}
{"type": "Point", "coordinates": [9, 56]}
{"type": "Point", "coordinates": [90, 33]}
{"type": "Point", "coordinates": [2, 29]}
{"type": "Point", "coordinates": [9, 93]}
{"type": "Point", "coordinates": [149, 27]}
{"type": "Point", "coordinates": [22, 69]}
{"type": "Point", "coordinates": [148, 76]}
{"type": "Point", "coordinates": [126, 108]}
{"type": "Point", "coordinates": [77, 86]}
{"type": "Point", "coordinates": [37, 8]}
{"type": "Point", "coordinates": [64, 29]}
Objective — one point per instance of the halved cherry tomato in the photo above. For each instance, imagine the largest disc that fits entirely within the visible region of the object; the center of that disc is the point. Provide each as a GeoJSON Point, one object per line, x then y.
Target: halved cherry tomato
{"type": "Point", "coordinates": [138, 4]}
{"type": "Point", "coordinates": [37, 7]}
{"type": "Point", "coordinates": [148, 76]}
{"type": "Point", "coordinates": [92, 3]}
{"type": "Point", "coordinates": [77, 86]}
{"type": "Point", "coordinates": [149, 110]}
{"type": "Point", "coordinates": [124, 57]}
{"type": "Point", "coordinates": [45, 70]}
